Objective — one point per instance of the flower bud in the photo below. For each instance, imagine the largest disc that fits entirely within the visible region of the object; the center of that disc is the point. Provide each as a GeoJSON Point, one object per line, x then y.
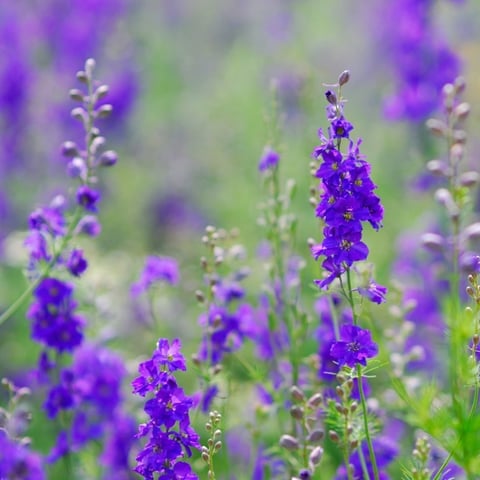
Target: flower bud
{"type": "Point", "coordinates": [297, 394]}
{"type": "Point", "coordinates": [101, 91]}
{"type": "Point", "coordinates": [438, 167]}
{"type": "Point", "coordinates": [81, 76]}
{"type": "Point", "coordinates": [469, 179]}
{"type": "Point", "coordinates": [104, 111]}
{"type": "Point", "coordinates": [108, 158]}
{"type": "Point", "coordinates": [462, 110]}
{"type": "Point", "coordinates": [316, 455]}
{"type": "Point", "coordinates": [315, 400]}
{"type": "Point", "coordinates": [437, 127]}
{"type": "Point", "coordinates": [296, 412]}
{"type": "Point", "coordinates": [288, 442]}
{"type": "Point", "coordinates": [472, 232]}
{"type": "Point", "coordinates": [315, 436]}
{"type": "Point", "coordinates": [79, 114]}
{"type": "Point", "coordinates": [69, 149]}
{"type": "Point", "coordinates": [433, 241]}
{"type": "Point", "coordinates": [76, 94]}
{"type": "Point", "coordinates": [331, 97]}
{"type": "Point", "coordinates": [89, 67]}
{"type": "Point", "coordinates": [344, 77]}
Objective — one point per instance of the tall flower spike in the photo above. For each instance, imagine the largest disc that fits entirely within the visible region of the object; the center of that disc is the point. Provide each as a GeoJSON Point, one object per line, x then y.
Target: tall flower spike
{"type": "Point", "coordinates": [347, 198]}
{"type": "Point", "coordinates": [170, 435]}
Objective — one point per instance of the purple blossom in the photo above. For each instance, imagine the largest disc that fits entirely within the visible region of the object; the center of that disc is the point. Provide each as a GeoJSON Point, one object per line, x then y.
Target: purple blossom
{"type": "Point", "coordinates": [76, 263]}
{"type": "Point", "coordinates": [54, 321]}
{"type": "Point", "coordinates": [157, 269]}
{"type": "Point", "coordinates": [18, 461]}
{"type": "Point", "coordinates": [374, 292]}
{"type": "Point", "coordinates": [269, 160]}
{"type": "Point", "coordinates": [89, 225]}
{"type": "Point", "coordinates": [88, 198]}
{"type": "Point", "coordinates": [355, 346]}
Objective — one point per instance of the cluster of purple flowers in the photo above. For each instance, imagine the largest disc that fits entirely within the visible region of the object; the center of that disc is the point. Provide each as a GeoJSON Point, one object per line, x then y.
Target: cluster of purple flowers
{"type": "Point", "coordinates": [91, 389]}
{"type": "Point", "coordinates": [347, 198]}
{"type": "Point", "coordinates": [18, 461]}
{"type": "Point", "coordinates": [421, 59]}
{"type": "Point", "coordinates": [170, 434]}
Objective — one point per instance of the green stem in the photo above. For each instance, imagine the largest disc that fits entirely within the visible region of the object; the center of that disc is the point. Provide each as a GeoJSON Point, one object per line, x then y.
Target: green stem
{"type": "Point", "coordinates": [371, 451]}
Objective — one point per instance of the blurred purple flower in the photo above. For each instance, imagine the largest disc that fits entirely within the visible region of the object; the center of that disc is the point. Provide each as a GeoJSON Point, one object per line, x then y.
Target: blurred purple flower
{"type": "Point", "coordinates": [269, 159]}
{"type": "Point", "coordinates": [157, 269]}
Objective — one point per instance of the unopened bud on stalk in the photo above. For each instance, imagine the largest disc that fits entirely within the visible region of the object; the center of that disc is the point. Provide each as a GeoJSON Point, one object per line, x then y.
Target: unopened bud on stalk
{"type": "Point", "coordinates": [344, 77]}
{"type": "Point", "coordinates": [469, 179]}
{"type": "Point", "coordinates": [331, 97]}
{"type": "Point", "coordinates": [82, 76]}
{"type": "Point", "coordinates": [101, 91]}
{"type": "Point", "coordinates": [297, 394]}
{"type": "Point", "coordinates": [437, 127]}
{"type": "Point", "coordinates": [433, 241]}
{"type": "Point", "coordinates": [438, 167]}
{"type": "Point", "coordinates": [76, 94]}
{"type": "Point", "coordinates": [315, 436]}
{"type": "Point", "coordinates": [78, 114]}
{"type": "Point", "coordinates": [104, 111]}
{"type": "Point", "coordinates": [69, 149]}
{"type": "Point", "coordinates": [462, 110]}
{"type": "Point", "coordinates": [459, 84]}
{"type": "Point", "coordinates": [460, 136]}
{"type": "Point", "coordinates": [288, 442]}
{"type": "Point", "coordinates": [316, 455]}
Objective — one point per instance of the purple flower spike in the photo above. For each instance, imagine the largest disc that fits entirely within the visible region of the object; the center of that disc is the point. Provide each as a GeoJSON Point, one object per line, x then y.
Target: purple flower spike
{"type": "Point", "coordinates": [269, 160]}
{"type": "Point", "coordinates": [355, 347]}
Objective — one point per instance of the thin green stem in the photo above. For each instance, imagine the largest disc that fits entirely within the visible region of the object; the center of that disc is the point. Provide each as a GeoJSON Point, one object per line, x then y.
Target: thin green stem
{"type": "Point", "coordinates": [363, 401]}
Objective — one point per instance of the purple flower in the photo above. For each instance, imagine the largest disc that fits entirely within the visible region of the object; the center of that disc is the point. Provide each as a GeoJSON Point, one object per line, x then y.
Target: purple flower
{"type": "Point", "coordinates": [374, 292]}
{"type": "Point", "coordinates": [355, 346]}
{"type": "Point", "coordinates": [17, 461]}
{"type": "Point", "coordinates": [269, 160]}
{"type": "Point", "coordinates": [89, 225]}
{"type": "Point", "coordinates": [54, 322]}
{"type": "Point", "coordinates": [157, 269]}
{"type": "Point", "coordinates": [76, 263]}
{"type": "Point", "coordinates": [340, 128]}
{"type": "Point", "coordinates": [88, 198]}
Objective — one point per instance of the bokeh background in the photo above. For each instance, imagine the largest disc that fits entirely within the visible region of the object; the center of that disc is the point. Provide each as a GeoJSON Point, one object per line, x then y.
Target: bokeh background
{"type": "Point", "coordinates": [191, 86]}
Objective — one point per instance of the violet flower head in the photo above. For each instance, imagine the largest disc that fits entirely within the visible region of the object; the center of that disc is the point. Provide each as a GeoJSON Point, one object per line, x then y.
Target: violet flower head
{"type": "Point", "coordinates": [17, 461]}
{"type": "Point", "coordinates": [355, 346]}
{"type": "Point", "coordinates": [54, 321]}
{"type": "Point", "coordinates": [269, 160]}
{"type": "Point", "coordinates": [157, 269]}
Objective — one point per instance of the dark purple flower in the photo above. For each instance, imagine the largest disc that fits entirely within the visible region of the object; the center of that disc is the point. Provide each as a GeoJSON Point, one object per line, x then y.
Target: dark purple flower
{"type": "Point", "coordinates": [88, 198]}
{"type": "Point", "coordinates": [340, 128]}
{"type": "Point", "coordinates": [76, 263]}
{"type": "Point", "coordinates": [355, 346]}
{"type": "Point", "coordinates": [269, 160]}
